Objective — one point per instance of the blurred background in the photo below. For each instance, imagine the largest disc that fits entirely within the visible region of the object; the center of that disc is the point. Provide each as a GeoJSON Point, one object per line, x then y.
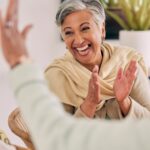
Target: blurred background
{"type": "Point", "coordinates": [44, 42]}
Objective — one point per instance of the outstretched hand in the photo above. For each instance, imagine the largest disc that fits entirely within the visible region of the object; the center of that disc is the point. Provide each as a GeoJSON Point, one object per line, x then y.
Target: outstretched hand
{"type": "Point", "coordinates": [123, 85]}
{"type": "Point", "coordinates": [13, 41]}
{"type": "Point", "coordinates": [124, 81]}
{"type": "Point", "coordinates": [93, 97]}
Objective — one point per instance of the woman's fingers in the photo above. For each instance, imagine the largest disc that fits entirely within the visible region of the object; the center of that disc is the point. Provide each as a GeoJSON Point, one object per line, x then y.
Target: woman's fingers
{"type": "Point", "coordinates": [131, 71]}
{"type": "Point", "coordinates": [11, 19]}
{"type": "Point", "coordinates": [132, 68]}
{"type": "Point", "coordinates": [96, 84]}
{"type": "Point", "coordinates": [95, 76]}
{"type": "Point", "coordinates": [119, 74]}
{"type": "Point", "coordinates": [95, 69]}
{"type": "Point", "coordinates": [3, 31]}
{"type": "Point", "coordinates": [1, 21]}
{"type": "Point", "coordinates": [26, 31]}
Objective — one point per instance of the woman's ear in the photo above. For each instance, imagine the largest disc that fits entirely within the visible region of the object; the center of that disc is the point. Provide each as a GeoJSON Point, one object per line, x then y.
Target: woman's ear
{"type": "Point", "coordinates": [61, 37]}
{"type": "Point", "coordinates": [61, 34]}
{"type": "Point", "coordinates": [103, 29]}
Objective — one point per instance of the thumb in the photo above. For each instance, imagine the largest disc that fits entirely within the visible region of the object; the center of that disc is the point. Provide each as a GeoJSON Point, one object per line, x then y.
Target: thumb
{"type": "Point", "coordinates": [26, 30]}
{"type": "Point", "coordinates": [95, 69]}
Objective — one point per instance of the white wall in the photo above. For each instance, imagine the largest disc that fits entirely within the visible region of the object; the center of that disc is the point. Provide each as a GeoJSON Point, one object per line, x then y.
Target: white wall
{"type": "Point", "coordinates": [43, 43]}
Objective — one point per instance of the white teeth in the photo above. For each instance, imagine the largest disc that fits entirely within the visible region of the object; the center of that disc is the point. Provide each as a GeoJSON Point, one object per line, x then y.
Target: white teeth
{"type": "Point", "coordinates": [82, 48]}
{"type": "Point", "coordinates": [84, 52]}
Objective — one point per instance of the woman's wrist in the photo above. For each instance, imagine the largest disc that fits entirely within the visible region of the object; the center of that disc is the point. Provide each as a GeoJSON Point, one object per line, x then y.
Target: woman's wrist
{"type": "Point", "coordinates": [125, 105]}
{"type": "Point", "coordinates": [88, 108]}
{"type": "Point", "coordinates": [19, 61]}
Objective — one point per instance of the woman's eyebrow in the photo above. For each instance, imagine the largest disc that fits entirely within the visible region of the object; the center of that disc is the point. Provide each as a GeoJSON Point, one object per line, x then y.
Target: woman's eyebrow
{"type": "Point", "coordinates": [69, 28]}
{"type": "Point", "coordinates": [85, 23]}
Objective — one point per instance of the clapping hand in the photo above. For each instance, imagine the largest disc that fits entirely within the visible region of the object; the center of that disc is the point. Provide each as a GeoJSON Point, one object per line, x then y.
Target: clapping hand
{"type": "Point", "coordinates": [93, 97]}
{"type": "Point", "coordinates": [13, 41]}
{"type": "Point", "coordinates": [123, 85]}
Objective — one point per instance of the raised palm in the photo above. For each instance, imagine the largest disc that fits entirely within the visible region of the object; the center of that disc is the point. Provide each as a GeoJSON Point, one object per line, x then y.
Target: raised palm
{"type": "Point", "coordinates": [13, 41]}
{"type": "Point", "coordinates": [124, 81]}
{"type": "Point", "coordinates": [94, 95]}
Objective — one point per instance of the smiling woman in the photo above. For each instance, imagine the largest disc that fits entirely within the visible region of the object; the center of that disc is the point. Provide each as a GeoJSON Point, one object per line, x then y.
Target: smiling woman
{"type": "Point", "coordinates": [77, 27]}
{"type": "Point", "coordinates": [89, 60]}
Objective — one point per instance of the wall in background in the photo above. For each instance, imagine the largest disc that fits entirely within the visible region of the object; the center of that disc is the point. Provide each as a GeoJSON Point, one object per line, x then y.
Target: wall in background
{"type": "Point", "coordinates": [44, 45]}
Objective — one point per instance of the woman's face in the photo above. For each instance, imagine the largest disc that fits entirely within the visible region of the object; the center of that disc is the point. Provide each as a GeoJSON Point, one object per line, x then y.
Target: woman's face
{"type": "Point", "coordinates": [83, 37]}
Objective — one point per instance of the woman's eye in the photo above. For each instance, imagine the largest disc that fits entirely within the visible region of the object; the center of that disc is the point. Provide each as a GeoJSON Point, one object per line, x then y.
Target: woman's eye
{"type": "Point", "coordinates": [85, 28]}
{"type": "Point", "coordinates": [68, 33]}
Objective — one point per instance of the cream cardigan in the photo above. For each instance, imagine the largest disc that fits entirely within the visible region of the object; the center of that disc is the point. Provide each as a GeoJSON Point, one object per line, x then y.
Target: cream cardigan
{"type": "Point", "coordinates": [68, 79]}
{"type": "Point", "coordinates": [52, 129]}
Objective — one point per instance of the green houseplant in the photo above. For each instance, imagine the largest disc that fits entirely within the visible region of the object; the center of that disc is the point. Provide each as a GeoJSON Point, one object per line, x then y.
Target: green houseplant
{"type": "Point", "coordinates": [134, 14]}
{"type": "Point", "coordinates": [133, 17]}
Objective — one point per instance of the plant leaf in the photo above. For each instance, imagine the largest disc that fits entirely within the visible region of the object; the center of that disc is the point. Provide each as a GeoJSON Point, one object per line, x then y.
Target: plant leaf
{"type": "Point", "coordinates": [126, 7]}
{"type": "Point", "coordinates": [118, 19]}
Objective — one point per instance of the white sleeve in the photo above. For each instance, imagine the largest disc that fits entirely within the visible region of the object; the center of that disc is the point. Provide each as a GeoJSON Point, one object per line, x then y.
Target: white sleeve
{"type": "Point", "coordinates": [53, 129]}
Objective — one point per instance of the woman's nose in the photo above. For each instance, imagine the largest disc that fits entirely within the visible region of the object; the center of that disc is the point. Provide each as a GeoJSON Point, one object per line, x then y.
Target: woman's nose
{"type": "Point", "coordinates": [78, 40]}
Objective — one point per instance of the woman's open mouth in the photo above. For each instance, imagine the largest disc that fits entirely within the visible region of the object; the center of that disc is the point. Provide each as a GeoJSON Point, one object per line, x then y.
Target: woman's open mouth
{"type": "Point", "coordinates": [84, 50]}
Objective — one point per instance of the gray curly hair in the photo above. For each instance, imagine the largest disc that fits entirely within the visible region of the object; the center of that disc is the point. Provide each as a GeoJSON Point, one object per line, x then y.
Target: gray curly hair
{"type": "Point", "coordinates": [70, 6]}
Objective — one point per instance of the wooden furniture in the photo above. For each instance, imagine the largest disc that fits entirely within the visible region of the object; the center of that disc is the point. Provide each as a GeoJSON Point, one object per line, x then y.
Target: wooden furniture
{"type": "Point", "coordinates": [18, 127]}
